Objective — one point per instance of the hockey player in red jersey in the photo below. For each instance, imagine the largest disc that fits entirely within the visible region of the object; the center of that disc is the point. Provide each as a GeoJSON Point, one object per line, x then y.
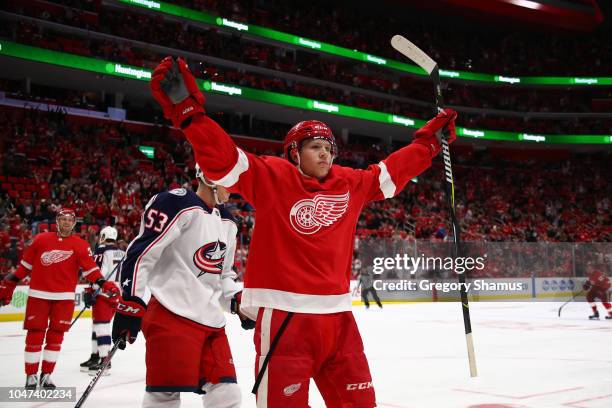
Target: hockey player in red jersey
{"type": "Point", "coordinates": [299, 265]}
{"type": "Point", "coordinates": [53, 260]}
{"type": "Point", "coordinates": [597, 285]}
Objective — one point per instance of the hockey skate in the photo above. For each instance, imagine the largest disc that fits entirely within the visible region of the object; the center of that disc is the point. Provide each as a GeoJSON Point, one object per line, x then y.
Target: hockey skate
{"type": "Point", "coordinates": [93, 369]}
{"type": "Point", "coordinates": [31, 381]}
{"type": "Point", "coordinates": [46, 382]}
{"type": "Point", "coordinates": [594, 316]}
{"type": "Point", "coordinates": [94, 359]}
{"type": "Point", "coordinates": [609, 317]}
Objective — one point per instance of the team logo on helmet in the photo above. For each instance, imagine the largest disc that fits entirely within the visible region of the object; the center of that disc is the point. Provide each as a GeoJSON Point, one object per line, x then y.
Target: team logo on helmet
{"type": "Point", "coordinates": [308, 129]}
{"type": "Point", "coordinates": [310, 215]}
{"type": "Point", "coordinates": [66, 212]}
{"type": "Point", "coordinates": [50, 257]}
{"type": "Point", "coordinates": [209, 257]}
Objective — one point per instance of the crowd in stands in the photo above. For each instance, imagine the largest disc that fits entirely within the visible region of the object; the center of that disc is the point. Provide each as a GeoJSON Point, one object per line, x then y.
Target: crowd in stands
{"type": "Point", "coordinates": [574, 100]}
{"type": "Point", "coordinates": [46, 156]}
{"type": "Point", "coordinates": [40, 94]}
{"type": "Point", "coordinates": [124, 52]}
{"type": "Point", "coordinates": [454, 41]}
{"type": "Point", "coordinates": [46, 164]}
{"type": "Point", "coordinates": [146, 27]}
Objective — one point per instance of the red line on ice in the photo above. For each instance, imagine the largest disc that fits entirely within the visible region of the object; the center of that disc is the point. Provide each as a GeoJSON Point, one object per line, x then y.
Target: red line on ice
{"type": "Point", "coordinates": [522, 396]}
{"type": "Point", "coordinates": [571, 404]}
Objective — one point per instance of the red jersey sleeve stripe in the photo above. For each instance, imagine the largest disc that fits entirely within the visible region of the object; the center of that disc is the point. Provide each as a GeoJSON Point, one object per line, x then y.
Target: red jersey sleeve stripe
{"type": "Point", "coordinates": [231, 178]}
{"type": "Point", "coordinates": [85, 273]}
{"type": "Point", "coordinates": [387, 186]}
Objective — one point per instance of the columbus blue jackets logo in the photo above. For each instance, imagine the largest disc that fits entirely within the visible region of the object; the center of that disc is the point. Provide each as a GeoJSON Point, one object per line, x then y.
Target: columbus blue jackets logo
{"type": "Point", "coordinates": [310, 215]}
{"type": "Point", "coordinates": [209, 257]}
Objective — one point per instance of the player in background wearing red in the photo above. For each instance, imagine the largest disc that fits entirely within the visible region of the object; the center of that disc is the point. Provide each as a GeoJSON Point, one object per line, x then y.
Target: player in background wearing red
{"type": "Point", "coordinates": [53, 260]}
{"type": "Point", "coordinates": [299, 264]}
{"type": "Point", "coordinates": [597, 285]}
{"type": "Point", "coordinates": [107, 256]}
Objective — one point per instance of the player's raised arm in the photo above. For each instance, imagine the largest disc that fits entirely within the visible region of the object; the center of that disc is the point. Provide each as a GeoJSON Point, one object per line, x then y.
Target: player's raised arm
{"type": "Point", "coordinates": [175, 89]}
{"type": "Point", "coordinates": [392, 174]}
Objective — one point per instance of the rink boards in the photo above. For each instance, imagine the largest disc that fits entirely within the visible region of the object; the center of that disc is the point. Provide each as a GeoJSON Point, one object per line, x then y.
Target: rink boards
{"type": "Point", "coordinates": [15, 311]}
{"type": "Point", "coordinates": [531, 289]}
{"type": "Point", "coordinates": [508, 289]}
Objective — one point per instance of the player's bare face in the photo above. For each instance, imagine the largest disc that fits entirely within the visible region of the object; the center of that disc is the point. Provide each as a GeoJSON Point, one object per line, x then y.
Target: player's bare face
{"type": "Point", "coordinates": [65, 225]}
{"type": "Point", "coordinates": [316, 158]}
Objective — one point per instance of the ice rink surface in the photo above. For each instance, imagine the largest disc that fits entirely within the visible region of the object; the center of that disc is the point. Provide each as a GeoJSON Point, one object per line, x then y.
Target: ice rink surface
{"type": "Point", "coordinates": [526, 356]}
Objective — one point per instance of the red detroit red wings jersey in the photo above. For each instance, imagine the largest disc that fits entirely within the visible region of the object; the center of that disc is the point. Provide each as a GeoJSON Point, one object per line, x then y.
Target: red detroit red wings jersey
{"type": "Point", "coordinates": [599, 280]}
{"type": "Point", "coordinates": [54, 263]}
{"type": "Point", "coordinates": [302, 245]}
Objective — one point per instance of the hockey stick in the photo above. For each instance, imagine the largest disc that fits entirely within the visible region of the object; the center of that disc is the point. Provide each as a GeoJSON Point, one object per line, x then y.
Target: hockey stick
{"type": "Point", "coordinates": [94, 380]}
{"type": "Point", "coordinates": [96, 293]}
{"type": "Point", "coordinates": [264, 366]}
{"type": "Point", "coordinates": [572, 298]}
{"type": "Point", "coordinates": [430, 66]}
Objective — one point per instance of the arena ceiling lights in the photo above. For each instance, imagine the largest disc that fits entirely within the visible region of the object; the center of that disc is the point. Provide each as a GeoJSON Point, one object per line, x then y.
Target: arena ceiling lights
{"type": "Point", "coordinates": [30, 53]}
{"type": "Point", "coordinates": [291, 39]}
{"type": "Point", "coordinates": [527, 4]}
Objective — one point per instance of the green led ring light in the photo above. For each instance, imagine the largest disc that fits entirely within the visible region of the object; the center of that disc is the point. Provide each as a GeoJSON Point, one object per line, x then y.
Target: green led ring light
{"type": "Point", "coordinates": [27, 52]}
{"type": "Point", "coordinates": [275, 35]}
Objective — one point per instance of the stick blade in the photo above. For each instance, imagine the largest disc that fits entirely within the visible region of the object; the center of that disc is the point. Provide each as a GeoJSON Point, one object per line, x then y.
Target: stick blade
{"type": "Point", "coordinates": [413, 52]}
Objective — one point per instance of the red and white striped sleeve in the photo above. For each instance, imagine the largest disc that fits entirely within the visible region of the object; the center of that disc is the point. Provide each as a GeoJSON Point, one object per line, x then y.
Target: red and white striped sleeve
{"type": "Point", "coordinates": [389, 177]}
{"type": "Point", "coordinates": [226, 164]}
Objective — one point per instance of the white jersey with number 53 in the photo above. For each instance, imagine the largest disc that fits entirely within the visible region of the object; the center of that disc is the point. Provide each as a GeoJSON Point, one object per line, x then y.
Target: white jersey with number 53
{"type": "Point", "coordinates": [184, 253]}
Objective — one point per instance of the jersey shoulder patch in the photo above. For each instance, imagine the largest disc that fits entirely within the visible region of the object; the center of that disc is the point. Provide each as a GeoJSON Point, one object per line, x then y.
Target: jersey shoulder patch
{"type": "Point", "coordinates": [178, 192]}
{"type": "Point", "coordinates": [178, 202]}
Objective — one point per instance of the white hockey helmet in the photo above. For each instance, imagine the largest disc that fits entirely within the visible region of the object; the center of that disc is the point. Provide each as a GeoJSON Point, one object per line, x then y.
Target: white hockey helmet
{"type": "Point", "coordinates": [108, 233]}
{"type": "Point", "coordinates": [201, 177]}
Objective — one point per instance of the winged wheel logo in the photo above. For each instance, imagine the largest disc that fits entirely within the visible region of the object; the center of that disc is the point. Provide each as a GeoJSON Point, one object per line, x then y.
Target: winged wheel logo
{"type": "Point", "coordinates": [310, 215]}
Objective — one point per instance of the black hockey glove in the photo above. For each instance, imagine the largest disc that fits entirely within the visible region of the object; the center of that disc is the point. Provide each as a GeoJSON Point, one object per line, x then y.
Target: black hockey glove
{"type": "Point", "coordinates": [245, 322]}
{"type": "Point", "coordinates": [586, 285]}
{"type": "Point", "coordinates": [128, 320]}
{"type": "Point", "coordinates": [88, 297]}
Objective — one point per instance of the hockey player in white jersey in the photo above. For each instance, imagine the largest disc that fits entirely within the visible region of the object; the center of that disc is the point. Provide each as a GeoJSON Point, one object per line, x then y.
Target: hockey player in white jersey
{"type": "Point", "coordinates": [107, 256]}
{"type": "Point", "coordinates": [184, 254]}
